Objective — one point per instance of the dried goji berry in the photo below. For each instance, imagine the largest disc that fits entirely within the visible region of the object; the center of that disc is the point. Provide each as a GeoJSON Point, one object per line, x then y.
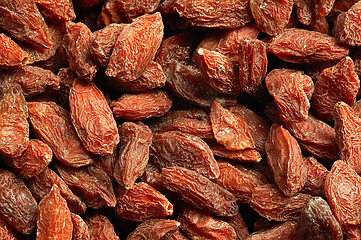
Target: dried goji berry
{"type": "Point", "coordinates": [10, 53]}
{"type": "Point", "coordinates": [100, 227]}
{"type": "Point", "coordinates": [80, 229]}
{"type": "Point", "coordinates": [154, 229]}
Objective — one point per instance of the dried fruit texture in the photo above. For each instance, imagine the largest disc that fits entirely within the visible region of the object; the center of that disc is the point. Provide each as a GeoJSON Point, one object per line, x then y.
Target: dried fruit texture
{"type": "Point", "coordinates": [306, 47]}
{"type": "Point", "coordinates": [315, 177]}
{"type": "Point", "coordinates": [78, 44]}
{"type": "Point", "coordinates": [17, 206]}
{"type": "Point", "coordinates": [135, 8]}
{"type": "Point", "coordinates": [154, 229]}
{"type": "Point", "coordinates": [199, 191]}
{"type": "Point", "coordinates": [91, 184]}
{"type": "Point", "coordinates": [239, 180]}
{"type": "Point", "coordinates": [178, 236]}
{"type": "Point", "coordinates": [349, 29]}
{"type": "Point", "coordinates": [104, 41]}
{"type": "Point", "coordinates": [348, 128]}
{"type": "Point", "coordinates": [229, 129]}
{"type": "Point", "coordinates": [52, 124]}
{"type": "Point", "coordinates": [187, 82]}
{"type": "Point", "coordinates": [154, 103]}
{"type": "Point", "coordinates": [54, 219]}
{"type": "Point", "coordinates": [135, 140]}
{"type": "Point", "coordinates": [219, 72]}
{"type": "Point", "coordinates": [244, 155]}
{"type": "Point", "coordinates": [252, 65]}
{"type": "Point", "coordinates": [41, 184]}
{"type": "Point", "coordinates": [143, 36]}
{"type": "Point", "coordinates": [14, 127]}
{"type": "Point", "coordinates": [152, 77]}
{"type": "Point", "coordinates": [286, 230]}
{"type": "Point", "coordinates": [80, 229]}
{"type": "Point", "coordinates": [142, 202]}
{"type": "Point", "coordinates": [192, 121]}
{"type": "Point", "coordinates": [22, 19]}
{"type": "Point", "coordinates": [33, 80]}
{"type": "Point", "coordinates": [32, 161]}
{"type": "Point", "coordinates": [6, 232]}
{"type": "Point", "coordinates": [285, 159]}
{"type": "Point", "coordinates": [10, 53]}
{"type": "Point", "coordinates": [55, 10]}
{"type": "Point", "coordinates": [320, 25]}
{"type": "Point", "coordinates": [239, 226]}
{"type": "Point", "coordinates": [270, 202]}
{"type": "Point", "coordinates": [258, 126]}
{"type": "Point", "coordinates": [110, 14]}
{"type": "Point", "coordinates": [357, 108]}
{"type": "Point", "coordinates": [92, 118]}
{"type": "Point", "coordinates": [315, 137]}
{"type": "Point", "coordinates": [214, 14]}
{"type": "Point", "coordinates": [271, 16]}
{"type": "Point", "coordinates": [107, 162]}
{"type": "Point", "coordinates": [100, 227]}
{"type": "Point", "coordinates": [173, 148]}
{"type": "Point", "coordinates": [337, 83]}
{"type": "Point", "coordinates": [312, 10]}
{"type": "Point", "coordinates": [200, 225]}
{"type": "Point", "coordinates": [316, 221]}
{"type": "Point", "coordinates": [340, 6]}
{"type": "Point", "coordinates": [292, 99]}
{"type": "Point", "coordinates": [67, 77]}
{"type": "Point", "coordinates": [340, 182]}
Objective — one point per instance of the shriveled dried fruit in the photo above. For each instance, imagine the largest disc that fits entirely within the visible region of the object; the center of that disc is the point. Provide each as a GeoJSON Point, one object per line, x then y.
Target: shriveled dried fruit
{"type": "Point", "coordinates": [244, 155]}
{"type": "Point", "coordinates": [309, 11]}
{"type": "Point", "coordinates": [285, 159]}
{"type": "Point", "coordinates": [154, 103]}
{"type": "Point", "coordinates": [135, 140]}
{"type": "Point", "coordinates": [154, 229]}
{"type": "Point", "coordinates": [100, 227]}
{"type": "Point", "coordinates": [239, 226]}
{"type": "Point", "coordinates": [56, 10]}
{"type": "Point", "coordinates": [17, 206]}
{"type": "Point", "coordinates": [10, 53]}
{"type": "Point", "coordinates": [337, 83]}
{"type": "Point", "coordinates": [229, 129]}
{"type": "Point", "coordinates": [292, 99]}
{"type": "Point", "coordinates": [315, 177]}
{"type": "Point", "coordinates": [199, 191]}
{"type": "Point", "coordinates": [271, 16]}
{"type": "Point", "coordinates": [91, 184]}
{"type": "Point", "coordinates": [143, 36]}
{"type": "Point", "coordinates": [173, 148]}
{"type": "Point", "coordinates": [200, 225]}
{"type": "Point", "coordinates": [54, 219]}
{"type": "Point", "coordinates": [343, 181]}
{"type": "Point", "coordinates": [52, 124]}
{"type": "Point", "coordinates": [142, 202]}
{"type": "Point", "coordinates": [92, 118]}
{"type": "Point", "coordinates": [306, 47]}
{"type": "Point", "coordinates": [286, 230]}
{"type": "Point", "coordinates": [80, 229]}
{"type": "Point", "coordinates": [135, 8]}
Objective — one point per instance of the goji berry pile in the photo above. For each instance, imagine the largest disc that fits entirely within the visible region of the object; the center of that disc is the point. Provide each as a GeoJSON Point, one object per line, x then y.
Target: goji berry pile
{"type": "Point", "coordinates": [180, 119]}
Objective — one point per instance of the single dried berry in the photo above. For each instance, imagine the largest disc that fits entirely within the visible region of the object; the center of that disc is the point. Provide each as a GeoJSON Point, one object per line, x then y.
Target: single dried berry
{"type": "Point", "coordinates": [135, 8]}
{"type": "Point", "coordinates": [316, 221]}
{"type": "Point", "coordinates": [343, 193]}
{"type": "Point", "coordinates": [239, 226]}
{"type": "Point", "coordinates": [286, 230]}
{"type": "Point", "coordinates": [200, 225]}
{"type": "Point", "coordinates": [135, 140]}
{"type": "Point", "coordinates": [32, 161]}
{"type": "Point", "coordinates": [285, 160]}
{"type": "Point", "coordinates": [270, 202]}
{"type": "Point", "coordinates": [173, 148]}
{"type": "Point", "coordinates": [17, 206]}
{"type": "Point", "coordinates": [142, 202]}
{"type": "Point", "coordinates": [348, 128]}
{"type": "Point", "coordinates": [154, 229]}
{"type": "Point", "coordinates": [252, 59]}
{"type": "Point", "coordinates": [337, 83]}
{"type": "Point", "coordinates": [271, 16]}
{"type": "Point", "coordinates": [143, 36]}
{"type": "Point", "coordinates": [110, 13]}
{"type": "Point", "coordinates": [54, 219]}
{"type": "Point", "coordinates": [154, 103]}
{"type": "Point", "coordinates": [214, 14]}
{"type": "Point", "coordinates": [10, 53]}
{"type": "Point", "coordinates": [229, 129]}
{"type": "Point", "coordinates": [41, 184]}
{"type": "Point", "coordinates": [80, 229]}
{"type": "Point", "coordinates": [244, 155]}
{"type": "Point", "coordinates": [100, 227]}
{"type": "Point", "coordinates": [14, 127]}
{"type": "Point", "coordinates": [56, 10]}
{"type": "Point", "coordinates": [306, 47]}
{"type": "Point", "coordinates": [91, 184]}
{"type": "Point", "coordinates": [52, 124]}
{"type": "Point", "coordinates": [292, 99]}
{"type": "Point", "coordinates": [22, 19]}
{"type": "Point", "coordinates": [315, 177]}
{"type": "Point", "coordinates": [92, 118]}
{"type": "Point", "coordinates": [309, 11]}
{"type": "Point", "coordinates": [199, 191]}
{"type": "Point", "coordinates": [239, 180]}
